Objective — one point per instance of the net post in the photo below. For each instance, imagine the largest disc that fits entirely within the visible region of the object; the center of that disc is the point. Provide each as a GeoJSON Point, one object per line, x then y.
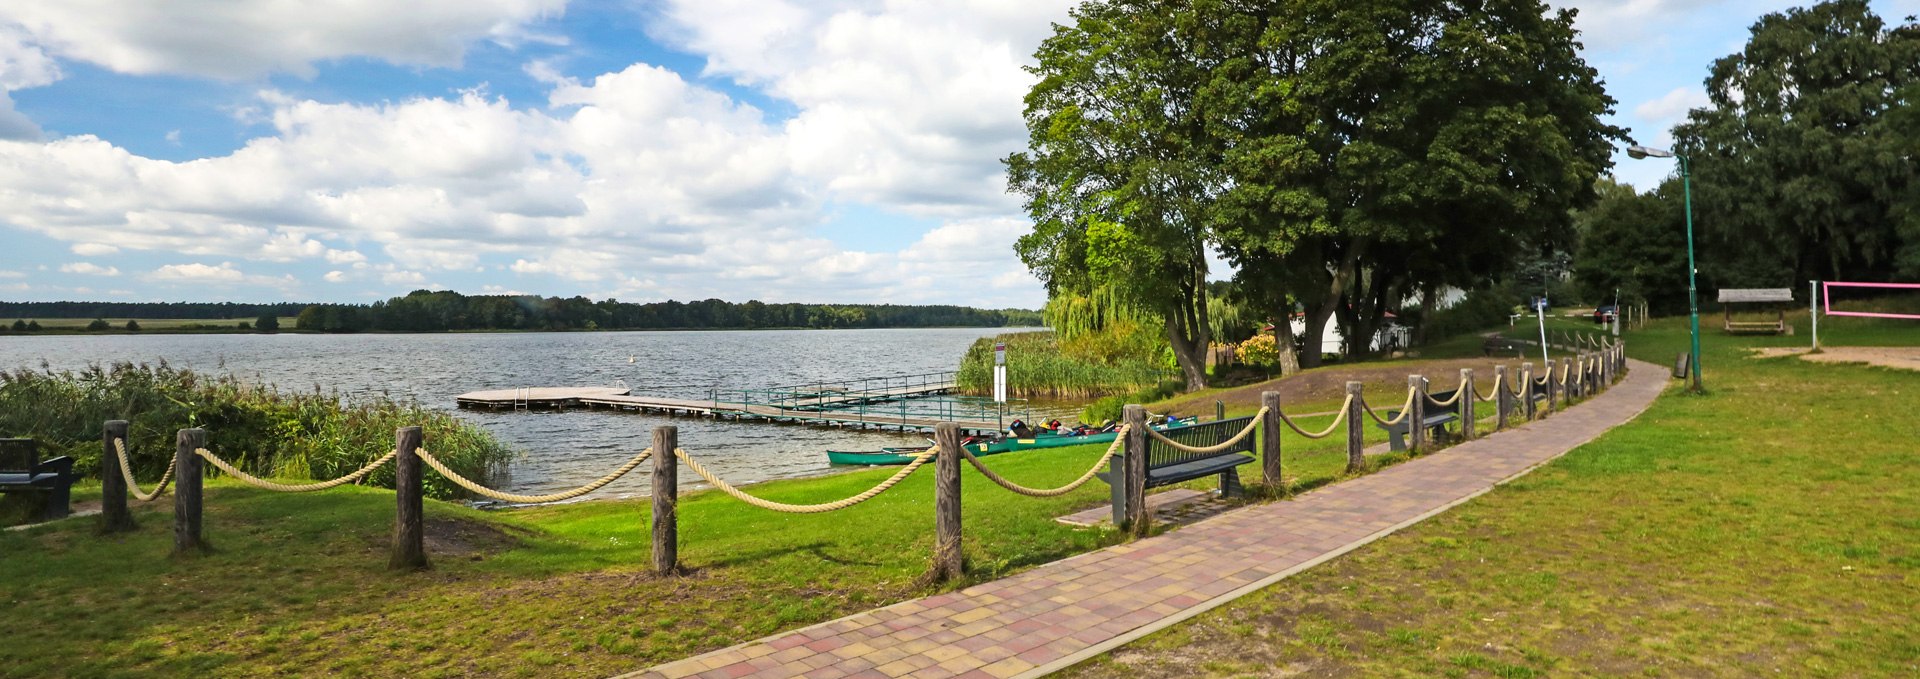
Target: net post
{"type": "Point", "coordinates": [666, 500]}
{"type": "Point", "coordinates": [114, 515]}
{"type": "Point", "coordinates": [948, 562]}
{"type": "Point", "coordinates": [187, 482]}
{"type": "Point", "coordinates": [409, 517]}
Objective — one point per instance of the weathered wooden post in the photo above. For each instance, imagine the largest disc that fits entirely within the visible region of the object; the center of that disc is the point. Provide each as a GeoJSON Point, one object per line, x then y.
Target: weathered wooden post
{"type": "Point", "coordinates": [1526, 391]}
{"type": "Point", "coordinates": [1416, 415]}
{"type": "Point", "coordinates": [186, 492]}
{"type": "Point", "coordinates": [114, 515]}
{"type": "Point", "coordinates": [666, 501]}
{"type": "Point", "coordinates": [1502, 398]}
{"type": "Point", "coordinates": [1467, 424]}
{"type": "Point", "coordinates": [1356, 435]}
{"type": "Point", "coordinates": [1137, 516]}
{"type": "Point", "coordinates": [409, 518]}
{"type": "Point", "coordinates": [1566, 373]}
{"type": "Point", "coordinates": [1270, 442]}
{"type": "Point", "coordinates": [948, 562]}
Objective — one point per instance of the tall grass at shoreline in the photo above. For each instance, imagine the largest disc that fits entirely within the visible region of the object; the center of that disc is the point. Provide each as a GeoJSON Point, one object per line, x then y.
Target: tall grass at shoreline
{"type": "Point", "coordinates": [1038, 367]}
{"type": "Point", "coordinates": [305, 435]}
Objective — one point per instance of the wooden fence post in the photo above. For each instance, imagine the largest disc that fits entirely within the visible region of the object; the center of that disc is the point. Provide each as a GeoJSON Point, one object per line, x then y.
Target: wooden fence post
{"type": "Point", "coordinates": [1566, 394]}
{"type": "Point", "coordinates": [114, 515]}
{"type": "Point", "coordinates": [1356, 435]}
{"type": "Point", "coordinates": [1502, 401]}
{"type": "Point", "coordinates": [948, 562]}
{"type": "Point", "coordinates": [1416, 415]}
{"type": "Point", "coordinates": [186, 492]}
{"type": "Point", "coordinates": [409, 518]}
{"type": "Point", "coordinates": [1467, 399]}
{"type": "Point", "coordinates": [1270, 442]}
{"type": "Point", "coordinates": [666, 501]}
{"type": "Point", "coordinates": [1137, 516]}
{"type": "Point", "coordinates": [1526, 391]}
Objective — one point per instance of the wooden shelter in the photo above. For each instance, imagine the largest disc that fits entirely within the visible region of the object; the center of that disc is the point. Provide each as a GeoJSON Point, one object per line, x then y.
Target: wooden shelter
{"type": "Point", "coordinates": [1778, 297]}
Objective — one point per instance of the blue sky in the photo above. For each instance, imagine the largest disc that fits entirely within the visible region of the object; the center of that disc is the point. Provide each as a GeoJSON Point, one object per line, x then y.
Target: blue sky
{"type": "Point", "coordinates": [784, 151]}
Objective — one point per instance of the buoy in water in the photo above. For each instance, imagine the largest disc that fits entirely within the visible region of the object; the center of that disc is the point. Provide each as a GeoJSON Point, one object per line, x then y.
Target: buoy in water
{"type": "Point", "coordinates": [629, 359]}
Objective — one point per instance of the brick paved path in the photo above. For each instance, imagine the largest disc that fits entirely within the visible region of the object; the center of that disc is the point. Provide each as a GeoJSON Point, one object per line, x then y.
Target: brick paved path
{"type": "Point", "coordinates": [1064, 612]}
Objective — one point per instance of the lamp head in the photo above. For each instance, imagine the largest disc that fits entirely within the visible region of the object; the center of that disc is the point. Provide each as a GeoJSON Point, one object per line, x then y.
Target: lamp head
{"type": "Point", "coordinates": [1641, 152]}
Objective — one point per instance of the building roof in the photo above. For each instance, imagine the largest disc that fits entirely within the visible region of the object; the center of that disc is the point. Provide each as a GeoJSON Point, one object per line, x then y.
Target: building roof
{"type": "Point", "coordinates": [1739, 295]}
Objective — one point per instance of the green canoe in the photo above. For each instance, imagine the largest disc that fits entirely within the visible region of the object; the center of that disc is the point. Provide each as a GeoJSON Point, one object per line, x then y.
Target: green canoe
{"type": "Point", "coordinates": [892, 456]}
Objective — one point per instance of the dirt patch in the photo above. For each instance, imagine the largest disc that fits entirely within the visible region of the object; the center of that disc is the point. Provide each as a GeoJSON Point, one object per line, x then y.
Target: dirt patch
{"type": "Point", "coordinates": [464, 539]}
{"type": "Point", "coordinates": [1329, 384]}
{"type": "Point", "coordinates": [1905, 358]}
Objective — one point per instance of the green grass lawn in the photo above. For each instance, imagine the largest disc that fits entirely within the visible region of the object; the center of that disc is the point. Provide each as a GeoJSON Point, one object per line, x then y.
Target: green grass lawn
{"type": "Point", "coordinates": [1771, 527]}
{"type": "Point", "coordinates": [298, 584]}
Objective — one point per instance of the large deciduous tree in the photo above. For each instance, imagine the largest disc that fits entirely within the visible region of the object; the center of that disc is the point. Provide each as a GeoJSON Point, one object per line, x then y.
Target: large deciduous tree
{"type": "Point", "coordinates": [1117, 175]}
{"type": "Point", "coordinates": [1382, 150]}
{"type": "Point", "coordinates": [1633, 245]}
{"type": "Point", "coordinates": [1804, 163]}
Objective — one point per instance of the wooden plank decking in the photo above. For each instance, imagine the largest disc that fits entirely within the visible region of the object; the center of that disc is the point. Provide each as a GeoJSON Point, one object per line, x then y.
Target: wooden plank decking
{"type": "Point", "coordinates": [555, 398]}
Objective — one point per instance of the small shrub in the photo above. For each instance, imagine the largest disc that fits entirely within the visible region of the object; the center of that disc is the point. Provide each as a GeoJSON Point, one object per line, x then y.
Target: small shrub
{"type": "Point", "coordinates": [98, 325]}
{"type": "Point", "coordinates": [1259, 351]}
{"type": "Point", "coordinates": [133, 325]}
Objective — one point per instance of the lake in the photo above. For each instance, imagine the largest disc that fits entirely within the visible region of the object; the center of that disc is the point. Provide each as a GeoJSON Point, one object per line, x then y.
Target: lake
{"type": "Point", "coordinates": [561, 450]}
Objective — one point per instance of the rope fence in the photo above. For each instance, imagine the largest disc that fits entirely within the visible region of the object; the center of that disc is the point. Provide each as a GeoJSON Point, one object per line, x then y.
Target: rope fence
{"type": "Point", "coordinates": [1127, 455]}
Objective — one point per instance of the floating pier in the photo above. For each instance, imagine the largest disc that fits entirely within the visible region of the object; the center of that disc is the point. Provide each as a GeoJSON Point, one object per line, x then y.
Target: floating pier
{"type": "Point", "coordinates": [909, 403]}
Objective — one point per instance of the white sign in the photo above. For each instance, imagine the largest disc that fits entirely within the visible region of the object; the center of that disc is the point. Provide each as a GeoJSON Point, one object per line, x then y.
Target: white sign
{"type": "Point", "coordinates": [999, 353]}
{"type": "Point", "coordinates": [999, 384]}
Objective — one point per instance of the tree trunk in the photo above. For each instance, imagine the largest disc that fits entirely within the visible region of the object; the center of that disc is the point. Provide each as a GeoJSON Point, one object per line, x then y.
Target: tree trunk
{"type": "Point", "coordinates": [1429, 298]}
{"type": "Point", "coordinates": [1283, 339]}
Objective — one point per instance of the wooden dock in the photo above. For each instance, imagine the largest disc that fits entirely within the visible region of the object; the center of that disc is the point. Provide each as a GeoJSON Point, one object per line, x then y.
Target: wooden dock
{"type": "Point", "coordinates": [819, 412]}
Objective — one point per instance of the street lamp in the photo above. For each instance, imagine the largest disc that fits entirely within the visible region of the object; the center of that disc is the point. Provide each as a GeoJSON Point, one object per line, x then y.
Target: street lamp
{"type": "Point", "coordinates": [1693, 295]}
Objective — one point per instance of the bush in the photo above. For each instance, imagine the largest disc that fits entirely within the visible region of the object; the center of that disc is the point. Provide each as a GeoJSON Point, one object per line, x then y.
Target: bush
{"type": "Point", "coordinates": [267, 323]}
{"type": "Point", "coordinates": [133, 325]}
{"type": "Point", "coordinates": [98, 325]}
{"type": "Point", "coordinates": [1110, 408]}
{"type": "Point", "coordinates": [1037, 366]}
{"type": "Point", "coordinates": [1260, 351]}
{"type": "Point", "coordinates": [307, 435]}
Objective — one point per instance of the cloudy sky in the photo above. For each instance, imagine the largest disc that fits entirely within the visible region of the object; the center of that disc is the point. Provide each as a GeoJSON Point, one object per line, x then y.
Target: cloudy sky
{"type": "Point", "coordinates": [349, 150]}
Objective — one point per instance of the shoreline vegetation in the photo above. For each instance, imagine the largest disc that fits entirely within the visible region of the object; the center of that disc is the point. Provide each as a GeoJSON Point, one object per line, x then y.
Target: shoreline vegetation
{"type": "Point", "coordinates": [447, 311]}
{"type": "Point", "coordinates": [307, 435]}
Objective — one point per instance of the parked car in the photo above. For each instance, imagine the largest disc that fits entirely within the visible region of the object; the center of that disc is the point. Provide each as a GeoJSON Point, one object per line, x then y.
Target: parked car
{"type": "Point", "coordinates": [1604, 313]}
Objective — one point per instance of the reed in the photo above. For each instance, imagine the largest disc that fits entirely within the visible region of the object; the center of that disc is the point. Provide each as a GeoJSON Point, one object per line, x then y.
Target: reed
{"type": "Point", "coordinates": [1038, 367]}
{"type": "Point", "coordinates": [304, 435]}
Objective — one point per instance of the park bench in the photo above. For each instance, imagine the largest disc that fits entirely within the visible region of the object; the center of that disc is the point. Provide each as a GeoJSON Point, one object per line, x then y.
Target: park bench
{"type": "Point", "coordinates": [22, 470]}
{"type": "Point", "coordinates": [1436, 419]}
{"type": "Point", "coordinates": [1167, 465]}
{"type": "Point", "coordinates": [1497, 344]}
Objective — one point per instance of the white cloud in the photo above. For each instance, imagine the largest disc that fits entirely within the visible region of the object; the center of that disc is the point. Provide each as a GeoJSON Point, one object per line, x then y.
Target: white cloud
{"type": "Point", "coordinates": [90, 269]}
{"type": "Point", "coordinates": [335, 276]}
{"type": "Point", "coordinates": [403, 278]}
{"type": "Point", "coordinates": [12, 274]}
{"type": "Point", "coordinates": [93, 249]}
{"type": "Point", "coordinates": [345, 256]}
{"type": "Point", "coordinates": [1672, 106]}
{"type": "Point", "coordinates": [197, 273]}
{"type": "Point", "coordinates": [252, 38]}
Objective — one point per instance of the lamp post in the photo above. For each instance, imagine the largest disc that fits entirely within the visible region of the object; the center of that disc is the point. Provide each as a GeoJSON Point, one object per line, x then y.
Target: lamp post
{"type": "Point", "coordinates": [1693, 295]}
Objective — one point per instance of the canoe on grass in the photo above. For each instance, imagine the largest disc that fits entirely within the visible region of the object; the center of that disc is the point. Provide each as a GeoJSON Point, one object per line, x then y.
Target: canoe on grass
{"type": "Point", "coordinates": [892, 456]}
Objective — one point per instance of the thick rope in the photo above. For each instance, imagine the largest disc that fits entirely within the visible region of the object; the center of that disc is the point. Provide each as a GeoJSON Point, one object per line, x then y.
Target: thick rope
{"type": "Point", "coordinates": [742, 496]}
{"type": "Point", "coordinates": [126, 472]}
{"type": "Point", "coordinates": [264, 484]}
{"type": "Point", "coordinates": [1493, 392]}
{"type": "Point", "coordinates": [1049, 492]}
{"type": "Point", "coordinates": [1202, 450]}
{"type": "Point", "coordinates": [484, 491]}
{"type": "Point", "coordinates": [1337, 419]}
{"type": "Point", "coordinates": [1457, 393]}
{"type": "Point", "coordinates": [1405, 409]}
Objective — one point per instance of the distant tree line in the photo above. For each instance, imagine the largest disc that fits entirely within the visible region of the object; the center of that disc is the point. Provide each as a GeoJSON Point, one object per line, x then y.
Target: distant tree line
{"type": "Point", "coordinates": [172, 310]}
{"type": "Point", "coordinates": [429, 311]}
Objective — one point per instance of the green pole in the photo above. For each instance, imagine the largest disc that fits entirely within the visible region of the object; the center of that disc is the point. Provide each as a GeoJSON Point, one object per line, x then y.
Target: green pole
{"type": "Point", "coordinates": [1693, 291]}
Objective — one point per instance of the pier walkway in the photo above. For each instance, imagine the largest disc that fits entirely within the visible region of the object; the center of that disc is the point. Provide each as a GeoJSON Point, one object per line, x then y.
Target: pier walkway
{"type": "Point", "coordinates": [823, 405]}
{"type": "Point", "coordinates": [1062, 613]}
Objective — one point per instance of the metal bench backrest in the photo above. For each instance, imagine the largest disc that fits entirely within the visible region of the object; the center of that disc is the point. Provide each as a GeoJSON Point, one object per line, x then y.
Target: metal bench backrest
{"type": "Point", "coordinates": [1209, 434]}
{"type": "Point", "coordinates": [1434, 406]}
{"type": "Point", "coordinates": [19, 455]}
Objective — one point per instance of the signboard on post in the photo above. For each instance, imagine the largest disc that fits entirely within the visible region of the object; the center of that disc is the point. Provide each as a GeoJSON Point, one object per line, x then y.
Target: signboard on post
{"type": "Point", "coordinates": [1000, 372]}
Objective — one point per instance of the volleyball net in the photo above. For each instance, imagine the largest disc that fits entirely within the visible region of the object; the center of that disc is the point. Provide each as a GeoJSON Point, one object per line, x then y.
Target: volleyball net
{"type": "Point", "coordinates": [1850, 291]}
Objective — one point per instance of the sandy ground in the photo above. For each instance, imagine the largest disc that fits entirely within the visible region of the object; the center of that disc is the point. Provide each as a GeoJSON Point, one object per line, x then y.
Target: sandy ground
{"type": "Point", "coordinates": [1891, 357]}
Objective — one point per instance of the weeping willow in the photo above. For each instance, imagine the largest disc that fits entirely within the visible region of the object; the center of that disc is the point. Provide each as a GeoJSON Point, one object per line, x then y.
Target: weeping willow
{"type": "Point", "coordinates": [1074, 315]}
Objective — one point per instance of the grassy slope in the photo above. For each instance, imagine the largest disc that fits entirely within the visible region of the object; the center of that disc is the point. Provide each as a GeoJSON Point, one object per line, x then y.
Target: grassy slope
{"type": "Point", "coordinates": [298, 582]}
{"type": "Point", "coordinates": [1768, 528]}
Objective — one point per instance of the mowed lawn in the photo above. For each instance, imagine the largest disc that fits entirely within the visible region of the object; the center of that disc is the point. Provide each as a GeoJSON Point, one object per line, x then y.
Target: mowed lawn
{"type": "Point", "coordinates": [1770, 528]}
{"type": "Point", "coordinates": [298, 583]}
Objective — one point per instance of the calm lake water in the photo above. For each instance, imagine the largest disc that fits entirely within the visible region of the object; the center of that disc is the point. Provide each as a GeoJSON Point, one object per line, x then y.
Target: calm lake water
{"type": "Point", "coordinates": [560, 450]}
